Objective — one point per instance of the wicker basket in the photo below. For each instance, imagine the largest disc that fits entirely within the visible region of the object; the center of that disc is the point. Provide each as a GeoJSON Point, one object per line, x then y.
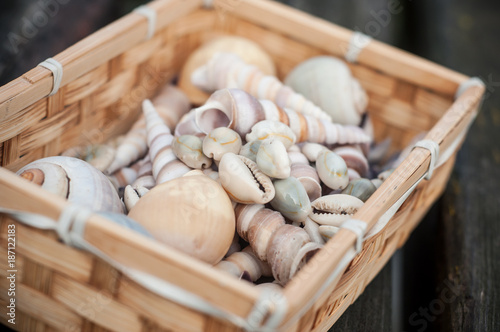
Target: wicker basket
{"type": "Point", "coordinates": [107, 75]}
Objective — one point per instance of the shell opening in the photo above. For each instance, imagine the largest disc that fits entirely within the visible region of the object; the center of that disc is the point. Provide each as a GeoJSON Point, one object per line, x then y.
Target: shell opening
{"type": "Point", "coordinates": [211, 119]}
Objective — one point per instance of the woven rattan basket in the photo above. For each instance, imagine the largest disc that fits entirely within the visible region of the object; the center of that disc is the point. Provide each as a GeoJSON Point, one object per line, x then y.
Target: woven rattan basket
{"type": "Point", "coordinates": [105, 78]}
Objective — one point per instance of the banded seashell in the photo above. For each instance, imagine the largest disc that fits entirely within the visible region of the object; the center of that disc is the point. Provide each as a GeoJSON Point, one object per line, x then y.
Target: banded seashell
{"type": "Point", "coordinates": [189, 149]}
{"type": "Point", "coordinates": [127, 175]}
{"type": "Point", "coordinates": [145, 175]}
{"type": "Point", "coordinates": [354, 159]}
{"type": "Point", "coordinates": [243, 181]}
{"type": "Point", "coordinates": [328, 83]}
{"type": "Point", "coordinates": [334, 209]}
{"type": "Point", "coordinates": [308, 176]}
{"type": "Point", "coordinates": [245, 261]}
{"type": "Point", "coordinates": [76, 180]}
{"type": "Point", "coordinates": [312, 229]}
{"type": "Point", "coordinates": [240, 111]}
{"type": "Point", "coordinates": [226, 70]}
{"type": "Point", "coordinates": [332, 170]}
{"type": "Point", "coordinates": [220, 141]}
{"type": "Point", "coordinates": [166, 166]}
{"type": "Point", "coordinates": [256, 224]}
{"type": "Point", "coordinates": [171, 104]}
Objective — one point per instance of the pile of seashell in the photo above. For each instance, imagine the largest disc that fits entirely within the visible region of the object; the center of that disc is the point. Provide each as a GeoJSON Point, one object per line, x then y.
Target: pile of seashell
{"type": "Point", "coordinates": [274, 168]}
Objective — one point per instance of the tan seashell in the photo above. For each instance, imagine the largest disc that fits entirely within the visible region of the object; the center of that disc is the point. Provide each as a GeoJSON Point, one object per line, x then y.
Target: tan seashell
{"type": "Point", "coordinates": [334, 209]}
{"type": "Point", "coordinates": [243, 181]}
{"type": "Point", "coordinates": [220, 141]}
{"type": "Point", "coordinates": [249, 51]}
{"type": "Point", "coordinates": [272, 159]}
{"type": "Point", "coordinates": [76, 180]}
{"type": "Point", "coordinates": [269, 287]}
{"type": "Point", "coordinates": [214, 175]}
{"type": "Point", "coordinates": [226, 70]}
{"type": "Point", "coordinates": [127, 175]}
{"type": "Point", "coordinates": [305, 253]}
{"type": "Point", "coordinates": [235, 245]}
{"type": "Point", "coordinates": [327, 82]}
{"type": "Point", "coordinates": [308, 176]}
{"type": "Point", "coordinates": [256, 224]}
{"type": "Point", "coordinates": [188, 148]}
{"type": "Point", "coordinates": [187, 125]}
{"type": "Point", "coordinates": [171, 104]}
{"type": "Point", "coordinates": [166, 166]}
{"type": "Point", "coordinates": [332, 170]}
{"type": "Point", "coordinates": [240, 111]}
{"type": "Point", "coordinates": [192, 214]}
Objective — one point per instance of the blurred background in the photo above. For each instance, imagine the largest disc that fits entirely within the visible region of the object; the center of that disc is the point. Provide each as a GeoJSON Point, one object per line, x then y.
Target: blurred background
{"type": "Point", "coordinates": [446, 276]}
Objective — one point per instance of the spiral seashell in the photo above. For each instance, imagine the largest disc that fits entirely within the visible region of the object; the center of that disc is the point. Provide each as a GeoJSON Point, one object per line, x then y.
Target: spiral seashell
{"type": "Point", "coordinates": [332, 170]}
{"type": "Point", "coordinates": [256, 224]}
{"type": "Point", "coordinates": [166, 166]}
{"type": "Point", "coordinates": [188, 148]}
{"type": "Point", "coordinates": [272, 130]}
{"type": "Point", "coordinates": [76, 180]}
{"type": "Point", "coordinates": [245, 260]}
{"type": "Point", "coordinates": [171, 104]}
{"type": "Point", "coordinates": [354, 159]}
{"type": "Point", "coordinates": [308, 176]}
{"type": "Point", "coordinates": [291, 199]}
{"type": "Point", "coordinates": [226, 70]}
{"type": "Point", "coordinates": [243, 181]}
{"type": "Point", "coordinates": [334, 209]}
{"type": "Point", "coordinates": [187, 125]}
{"type": "Point", "coordinates": [220, 141]}
{"type": "Point", "coordinates": [285, 253]}
{"type": "Point", "coordinates": [272, 240]}
{"type": "Point", "coordinates": [360, 188]}
{"type": "Point", "coordinates": [312, 151]}
{"type": "Point", "coordinates": [327, 82]}
{"type": "Point", "coordinates": [250, 150]}
{"type": "Point", "coordinates": [248, 50]}
{"type": "Point", "coordinates": [132, 195]}
{"type": "Point", "coordinates": [192, 214]}
{"type": "Point", "coordinates": [145, 175]}
{"type": "Point", "coordinates": [272, 159]}
{"type": "Point", "coordinates": [127, 175]}
{"type": "Point", "coordinates": [240, 111]}
{"type": "Point", "coordinates": [99, 155]}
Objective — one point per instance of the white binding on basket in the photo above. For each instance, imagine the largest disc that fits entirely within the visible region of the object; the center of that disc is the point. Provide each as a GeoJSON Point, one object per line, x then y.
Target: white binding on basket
{"type": "Point", "coordinates": [150, 14]}
{"type": "Point", "coordinates": [357, 43]}
{"type": "Point", "coordinates": [358, 227]}
{"type": "Point", "coordinates": [433, 148]}
{"type": "Point", "coordinates": [57, 71]}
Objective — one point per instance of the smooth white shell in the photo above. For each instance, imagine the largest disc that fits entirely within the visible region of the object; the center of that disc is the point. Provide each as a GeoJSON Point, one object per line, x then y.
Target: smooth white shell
{"type": "Point", "coordinates": [269, 129]}
{"type": "Point", "coordinates": [332, 170]}
{"type": "Point", "coordinates": [220, 141]}
{"type": "Point", "coordinates": [272, 159]}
